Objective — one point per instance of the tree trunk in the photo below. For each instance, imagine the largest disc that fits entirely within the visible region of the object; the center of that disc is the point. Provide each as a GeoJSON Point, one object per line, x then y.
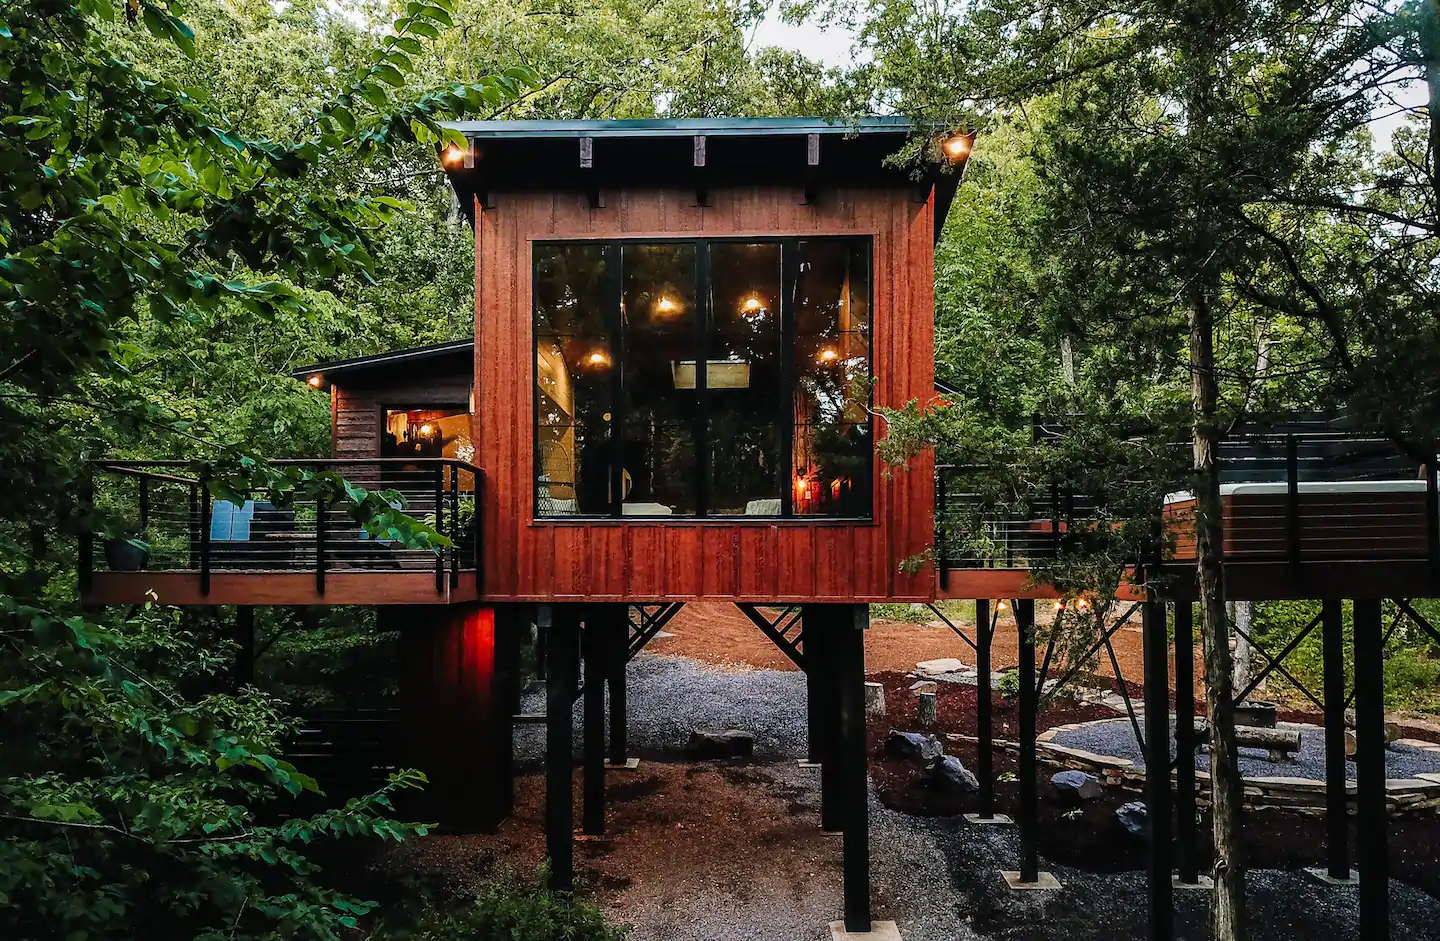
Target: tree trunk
{"type": "Point", "coordinates": [1225, 782]}
{"type": "Point", "coordinates": [1244, 652]}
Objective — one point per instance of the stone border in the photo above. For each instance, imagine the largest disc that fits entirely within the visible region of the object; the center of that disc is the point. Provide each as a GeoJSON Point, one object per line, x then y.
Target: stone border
{"type": "Point", "coordinates": [1306, 796]}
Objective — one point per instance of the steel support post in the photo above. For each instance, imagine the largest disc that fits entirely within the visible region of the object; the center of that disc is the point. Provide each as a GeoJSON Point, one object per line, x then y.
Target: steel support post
{"type": "Point", "coordinates": [1370, 770]}
{"type": "Point", "coordinates": [985, 759]}
{"type": "Point", "coordinates": [849, 667]}
{"type": "Point", "coordinates": [244, 645]}
{"type": "Point", "coordinates": [511, 623]}
{"type": "Point", "coordinates": [561, 623]}
{"type": "Point", "coordinates": [595, 642]}
{"type": "Point", "coordinates": [820, 655]}
{"type": "Point", "coordinates": [1029, 703]}
{"type": "Point", "coordinates": [1187, 856]}
{"type": "Point", "coordinates": [812, 656]}
{"type": "Point", "coordinates": [618, 631]}
{"type": "Point", "coordinates": [1157, 767]}
{"type": "Point", "coordinates": [1337, 815]}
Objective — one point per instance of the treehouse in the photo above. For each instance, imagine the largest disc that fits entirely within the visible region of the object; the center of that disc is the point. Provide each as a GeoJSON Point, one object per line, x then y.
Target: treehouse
{"type": "Point", "coordinates": [682, 332]}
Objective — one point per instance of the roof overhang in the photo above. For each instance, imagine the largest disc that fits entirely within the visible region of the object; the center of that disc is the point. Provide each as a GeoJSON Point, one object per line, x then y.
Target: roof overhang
{"type": "Point", "coordinates": [699, 154]}
{"type": "Point", "coordinates": [455, 354]}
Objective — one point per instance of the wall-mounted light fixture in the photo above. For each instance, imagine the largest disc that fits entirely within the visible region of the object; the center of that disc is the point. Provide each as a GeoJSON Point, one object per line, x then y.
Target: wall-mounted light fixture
{"type": "Point", "coordinates": [315, 381]}
{"type": "Point", "coordinates": [452, 156]}
{"type": "Point", "coordinates": [828, 355]}
{"type": "Point", "coordinates": [599, 358]}
{"type": "Point", "coordinates": [956, 147]}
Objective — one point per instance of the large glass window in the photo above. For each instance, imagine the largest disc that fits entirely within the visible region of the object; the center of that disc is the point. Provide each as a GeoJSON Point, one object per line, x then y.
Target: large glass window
{"type": "Point", "coordinates": [703, 378]}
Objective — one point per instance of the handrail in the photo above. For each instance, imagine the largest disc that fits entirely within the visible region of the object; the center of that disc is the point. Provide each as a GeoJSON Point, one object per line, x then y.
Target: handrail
{"type": "Point", "coordinates": [174, 511]}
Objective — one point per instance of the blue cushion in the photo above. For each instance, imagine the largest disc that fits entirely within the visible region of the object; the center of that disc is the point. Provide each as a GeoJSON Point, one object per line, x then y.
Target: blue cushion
{"type": "Point", "coordinates": [231, 523]}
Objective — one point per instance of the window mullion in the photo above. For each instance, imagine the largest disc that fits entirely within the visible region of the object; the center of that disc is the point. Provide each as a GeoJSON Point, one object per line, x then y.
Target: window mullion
{"type": "Point", "coordinates": [616, 316]}
{"type": "Point", "coordinates": [701, 418]}
{"type": "Point", "coordinates": [789, 260]}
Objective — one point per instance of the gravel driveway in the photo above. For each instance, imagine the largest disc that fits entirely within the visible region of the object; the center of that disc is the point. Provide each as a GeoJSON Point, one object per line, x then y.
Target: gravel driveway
{"type": "Point", "coordinates": [937, 877]}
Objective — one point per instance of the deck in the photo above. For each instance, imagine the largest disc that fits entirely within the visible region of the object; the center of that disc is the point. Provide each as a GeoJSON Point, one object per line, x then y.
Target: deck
{"type": "Point", "coordinates": [199, 549]}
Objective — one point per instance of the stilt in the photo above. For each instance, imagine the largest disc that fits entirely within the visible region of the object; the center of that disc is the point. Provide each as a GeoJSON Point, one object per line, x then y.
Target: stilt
{"type": "Point", "coordinates": [1029, 799]}
{"type": "Point", "coordinates": [1157, 767]}
{"type": "Point", "coordinates": [820, 655]}
{"type": "Point", "coordinates": [985, 759]}
{"type": "Point", "coordinates": [618, 631]}
{"type": "Point", "coordinates": [814, 694]}
{"type": "Point", "coordinates": [1187, 858]}
{"type": "Point", "coordinates": [1370, 770]}
{"type": "Point", "coordinates": [849, 663]}
{"type": "Point", "coordinates": [597, 660]}
{"type": "Point", "coordinates": [244, 672]}
{"type": "Point", "coordinates": [560, 624]}
{"type": "Point", "coordinates": [1337, 816]}
{"type": "Point", "coordinates": [451, 692]}
{"type": "Point", "coordinates": [512, 622]}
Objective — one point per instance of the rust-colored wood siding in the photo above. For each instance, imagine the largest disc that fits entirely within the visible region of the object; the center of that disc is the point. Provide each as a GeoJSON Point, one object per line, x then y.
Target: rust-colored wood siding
{"type": "Point", "coordinates": [1360, 526]}
{"type": "Point", "coordinates": [528, 560]}
{"type": "Point", "coordinates": [355, 410]}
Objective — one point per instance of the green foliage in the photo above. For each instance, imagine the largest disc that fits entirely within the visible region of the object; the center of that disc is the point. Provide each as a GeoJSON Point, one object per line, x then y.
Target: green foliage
{"type": "Point", "coordinates": [1009, 684]}
{"type": "Point", "coordinates": [913, 614]}
{"type": "Point", "coordinates": [1412, 656]}
{"type": "Point", "coordinates": [506, 910]}
{"type": "Point", "coordinates": [138, 800]}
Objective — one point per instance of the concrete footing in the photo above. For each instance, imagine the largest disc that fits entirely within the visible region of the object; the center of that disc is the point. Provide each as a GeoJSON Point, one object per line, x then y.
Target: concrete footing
{"type": "Point", "coordinates": [879, 931]}
{"type": "Point", "coordinates": [999, 820]}
{"type": "Point", "coordinates": [629, 764]}
{"type": "Point", "coordinates": [1323, 876]}
{"type": "Point", "coordinates": [1203, 882]}
{"type": "Point", "coordinates": [1044, 882]}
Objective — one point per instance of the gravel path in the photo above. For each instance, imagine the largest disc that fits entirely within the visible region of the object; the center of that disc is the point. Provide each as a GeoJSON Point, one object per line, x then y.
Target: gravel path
{"type": "Point", "coordinates": [1116, 737]}
{"type": "Point", "coordinates": [937, 877]}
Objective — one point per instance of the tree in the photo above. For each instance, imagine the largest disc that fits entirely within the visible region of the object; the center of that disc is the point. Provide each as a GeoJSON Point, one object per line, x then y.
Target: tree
{"type": "Point", "coordinates": [1183, 152]}
{"type": "Point", "coordinates": [133, 800]}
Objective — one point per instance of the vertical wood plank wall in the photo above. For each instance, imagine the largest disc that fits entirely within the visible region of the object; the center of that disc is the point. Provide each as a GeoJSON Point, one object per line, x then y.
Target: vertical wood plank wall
{"type": "Point", "coordinates": [526, 560]}
{"type": "Point", "coordinates": [355, 406]}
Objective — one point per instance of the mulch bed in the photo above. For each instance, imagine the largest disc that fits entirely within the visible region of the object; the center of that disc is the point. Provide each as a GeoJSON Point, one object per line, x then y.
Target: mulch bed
{"type": "Point", "coordinates": [1092, 839]}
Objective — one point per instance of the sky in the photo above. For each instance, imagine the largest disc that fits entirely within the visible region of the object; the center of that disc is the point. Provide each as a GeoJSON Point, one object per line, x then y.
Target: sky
{"type": "Point", "coordinates": [830, 46]}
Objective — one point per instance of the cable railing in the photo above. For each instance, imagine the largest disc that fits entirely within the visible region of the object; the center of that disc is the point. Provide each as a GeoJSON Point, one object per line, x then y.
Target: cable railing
{"type": "Point", "coordinates": [162, 516]}
{"type": "Point", "coordinates": [1301, 494]}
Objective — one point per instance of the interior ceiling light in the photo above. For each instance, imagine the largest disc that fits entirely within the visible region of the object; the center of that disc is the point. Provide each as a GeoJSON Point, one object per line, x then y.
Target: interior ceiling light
{"type": "Point", "coordinates": [666, 305]}
{"type": "Point", "coordinates": [828, 355]}
{"type": "Point", "coordinates": [598, 358]}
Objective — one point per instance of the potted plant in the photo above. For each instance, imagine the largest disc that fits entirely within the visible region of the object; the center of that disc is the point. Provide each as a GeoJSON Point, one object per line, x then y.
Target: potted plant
{"type": "Point", "coordinates": [125, 551]}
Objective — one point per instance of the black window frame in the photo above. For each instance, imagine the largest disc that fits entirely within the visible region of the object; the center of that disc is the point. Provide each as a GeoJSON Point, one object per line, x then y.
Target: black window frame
{"type": "Point", "coordinates": [789, 271]}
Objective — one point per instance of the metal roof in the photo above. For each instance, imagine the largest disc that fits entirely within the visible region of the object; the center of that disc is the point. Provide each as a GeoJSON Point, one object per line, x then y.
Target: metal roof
{"type": "Point", "coordinates": [341, 367]}
{"type": "Point", "coordinates": [683, 127]}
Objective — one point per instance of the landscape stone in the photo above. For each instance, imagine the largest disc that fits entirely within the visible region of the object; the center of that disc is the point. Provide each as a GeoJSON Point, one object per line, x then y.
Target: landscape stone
{"type": "Point", "coordinates": [728, 743]}
{"type": "Point", "coordinates": [950, 773]}
{"type": "Point", "coordinates": [913, 745]}
{"type": "Point", "coordinates": [943, 665]}
{"type": "Point", "coordinates": [1133, 818]}
{"type": "Point", "coordinates": [1075, 787]}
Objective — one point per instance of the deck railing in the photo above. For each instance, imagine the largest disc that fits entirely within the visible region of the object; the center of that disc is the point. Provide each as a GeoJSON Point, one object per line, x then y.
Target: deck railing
{"type": "Point", "coordinates": [1323, 495]}
{"type": "Point", "coordinates": [169, 509]}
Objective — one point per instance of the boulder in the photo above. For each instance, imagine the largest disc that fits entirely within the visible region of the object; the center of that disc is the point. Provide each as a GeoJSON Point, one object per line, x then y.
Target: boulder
{"type": "Point", "coordinates": [913, 745]}
{"type": "Point", "coordinates": [948, 772]}
{"type": "Point", "coordinates": [1134, 820]}
{"type": "Point", "coordinates": [729, 743]}
{"type": "Point", "coordinates": [1075, 787]}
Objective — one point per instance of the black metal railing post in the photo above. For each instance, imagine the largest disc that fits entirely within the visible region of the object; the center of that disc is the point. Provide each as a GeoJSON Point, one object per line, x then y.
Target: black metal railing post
{"type": "Point", "coordinates": [205, 509]}
{"type": "Point", "coordinates": [455, 526]}
{"type": "Point", "coordinates": [1292, 504]}
{"type": "Point", "coordinates": [322, 508]}
{"type": "Point", "coordinates": [144, 504]}
{"type": "Point", "coordinates": [942, 554]}
{"type": "Point", "coordinates": [439, 527]}
{"type": "Point", "coordinates": [193, 525]}
{"type": "Point", "coordinates": [86, 550]}
{"type": "Point", "coordinates": [1024, 609]}
{"type": "Point", "coordinates": [1432, 516]}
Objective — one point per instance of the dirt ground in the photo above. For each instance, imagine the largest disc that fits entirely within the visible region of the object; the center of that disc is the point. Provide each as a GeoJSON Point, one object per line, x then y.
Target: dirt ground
{"type": "Point", "coordinates": [720, 634]}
